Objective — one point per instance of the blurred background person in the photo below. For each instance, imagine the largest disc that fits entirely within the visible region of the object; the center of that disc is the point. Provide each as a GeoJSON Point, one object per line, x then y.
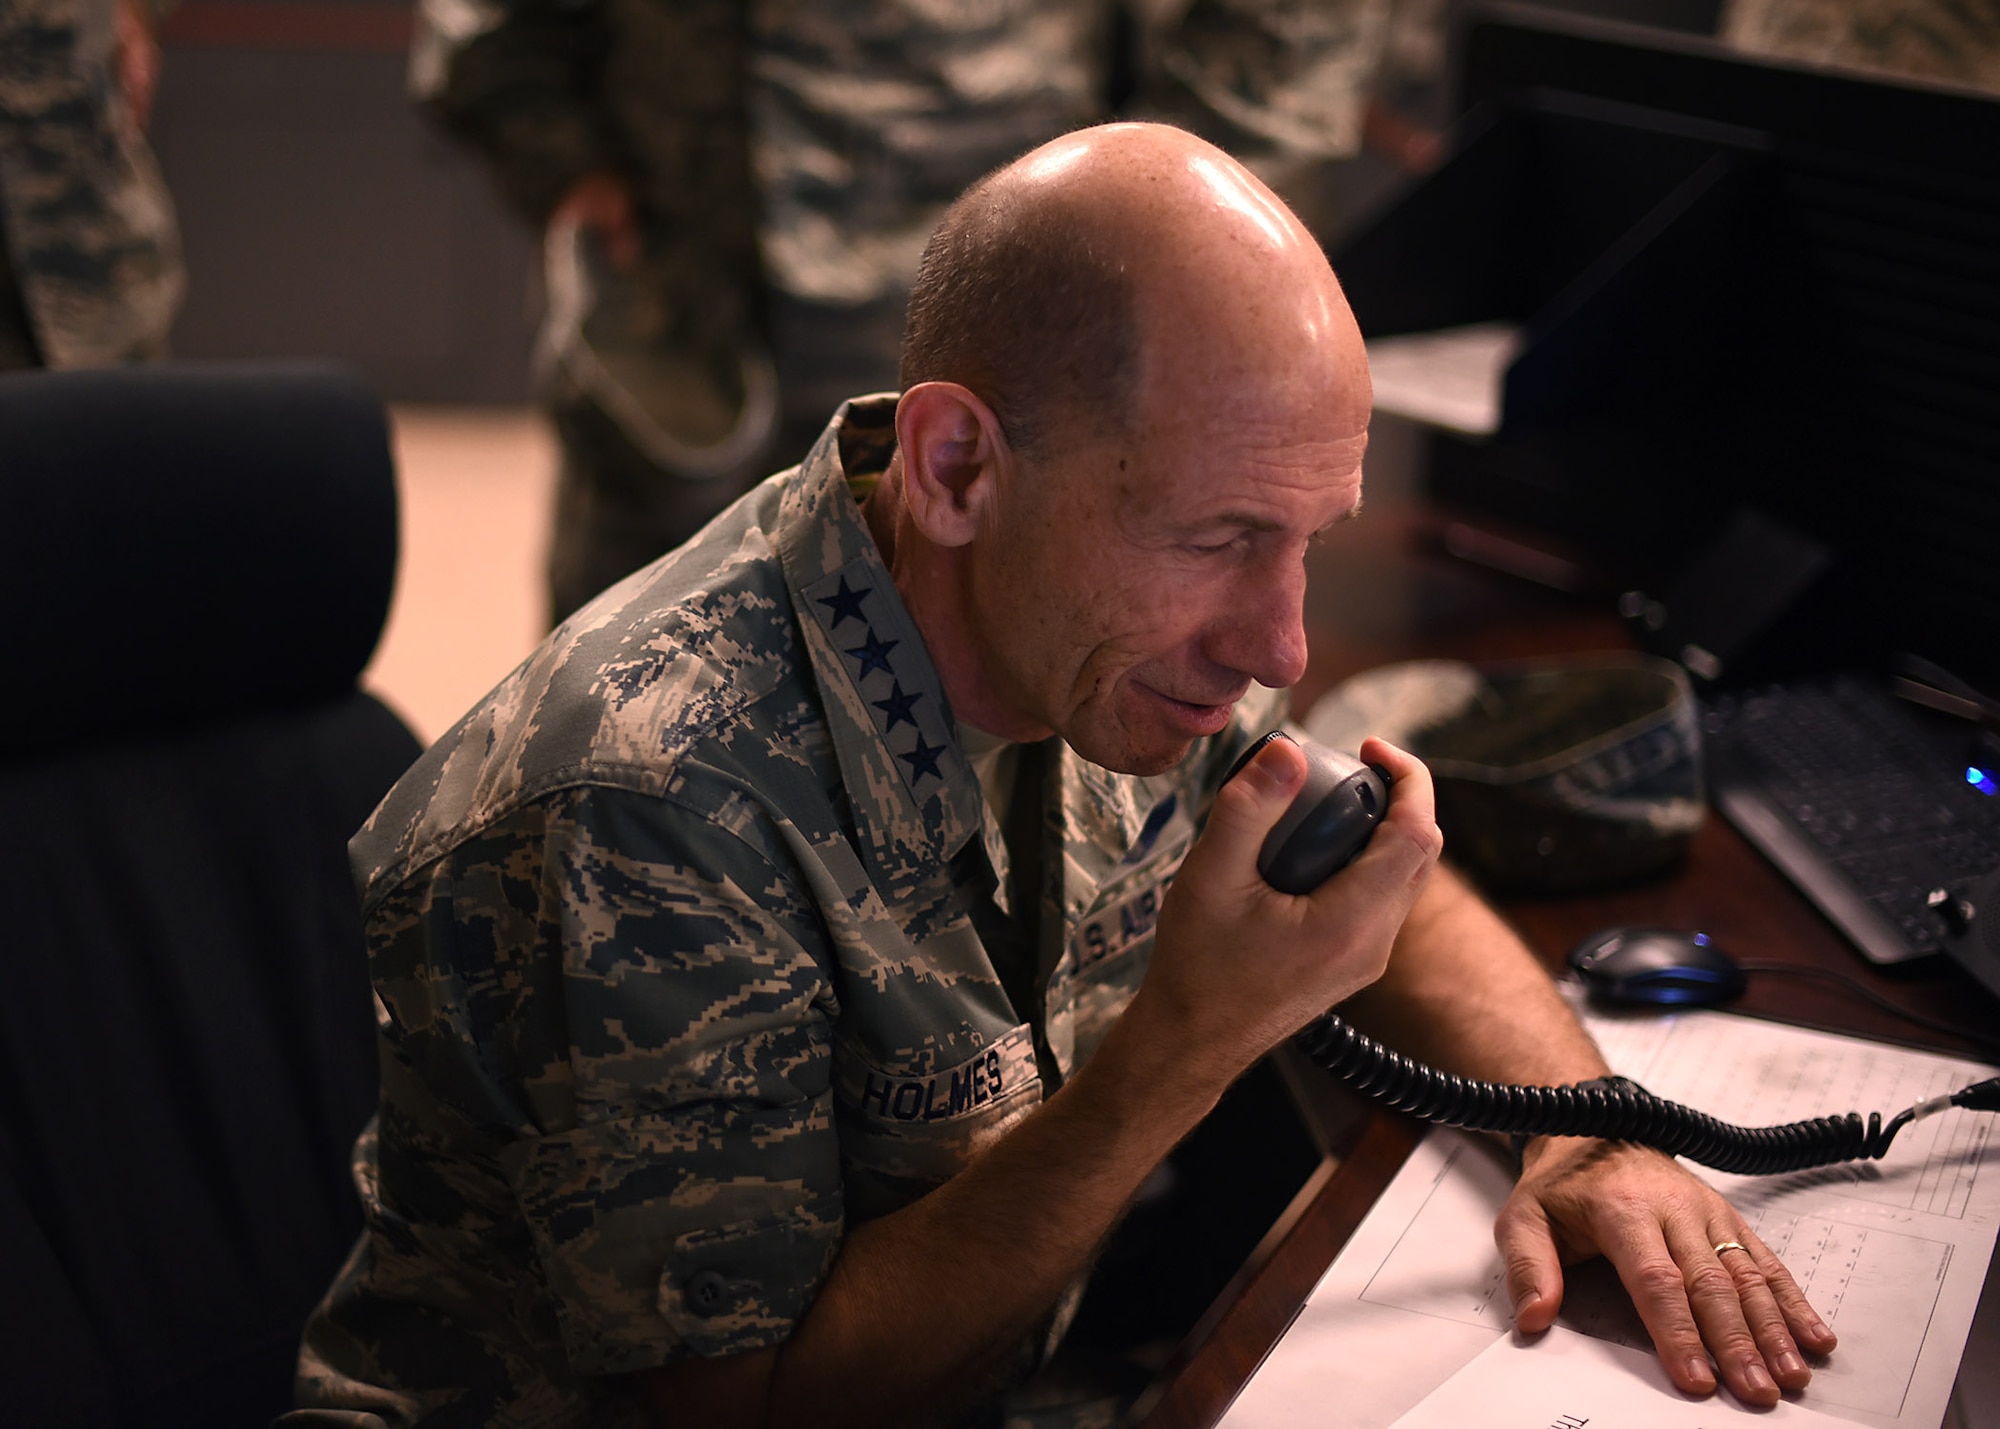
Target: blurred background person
{"type": "Point", "coordinates": [734, 193]}
{"type": "Point", "coordinates": [90, 263]}
{"type": "Point", "coordinates": [1957, 41]}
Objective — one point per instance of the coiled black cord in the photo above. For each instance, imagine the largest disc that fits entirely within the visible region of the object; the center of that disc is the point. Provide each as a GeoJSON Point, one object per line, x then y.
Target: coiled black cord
{"type": "Point", "coordinates": [1612, 1108]}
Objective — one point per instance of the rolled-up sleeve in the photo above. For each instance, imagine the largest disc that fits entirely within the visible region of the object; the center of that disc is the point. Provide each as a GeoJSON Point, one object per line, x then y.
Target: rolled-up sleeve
{"type": "Point", "coordinates": [518, 80]}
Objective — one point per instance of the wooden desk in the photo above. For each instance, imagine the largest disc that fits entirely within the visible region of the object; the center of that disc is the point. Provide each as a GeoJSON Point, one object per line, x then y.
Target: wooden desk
{"type": "Point", "coordinates": [1383, 595]}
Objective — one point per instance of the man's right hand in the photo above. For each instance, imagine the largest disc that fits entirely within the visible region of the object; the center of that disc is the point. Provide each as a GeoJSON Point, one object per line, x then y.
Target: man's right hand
{"type": "Point", "coordinates": [1238, 966]}
{"type": "Point", "coordinates": [602, 203]}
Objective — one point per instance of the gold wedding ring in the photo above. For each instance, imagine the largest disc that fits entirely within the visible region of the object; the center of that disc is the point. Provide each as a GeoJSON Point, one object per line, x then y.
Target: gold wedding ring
{"type": "Point", "coordinates": [1732, 1245]}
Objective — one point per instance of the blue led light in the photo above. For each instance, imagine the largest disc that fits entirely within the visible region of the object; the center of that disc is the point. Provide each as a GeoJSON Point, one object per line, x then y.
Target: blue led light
{"type": "Point", "coordinates": [1981, 779]}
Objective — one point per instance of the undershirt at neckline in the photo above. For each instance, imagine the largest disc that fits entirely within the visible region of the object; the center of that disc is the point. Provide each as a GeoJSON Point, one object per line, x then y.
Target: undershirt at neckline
{"type": "Point", "coordinates": [994, 761]}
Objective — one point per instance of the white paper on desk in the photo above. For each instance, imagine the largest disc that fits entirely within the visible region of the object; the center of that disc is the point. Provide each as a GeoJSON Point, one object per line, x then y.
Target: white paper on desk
{"type": "Point", "coordinates": [1453, 378]}
{"type": "Point", "coordinates": [1892, 1253]}
{"type": "Point", "coordinates": [1570, 1381]}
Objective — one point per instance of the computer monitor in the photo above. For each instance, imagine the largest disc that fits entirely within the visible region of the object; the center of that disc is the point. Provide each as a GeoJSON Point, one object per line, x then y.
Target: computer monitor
{"type": "Point", "coordinates": [1742, 286]}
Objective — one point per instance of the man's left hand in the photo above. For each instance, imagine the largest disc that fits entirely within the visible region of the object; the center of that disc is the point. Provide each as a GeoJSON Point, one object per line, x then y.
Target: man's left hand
{"type": "Point", "coordinates": [1659, 1226]}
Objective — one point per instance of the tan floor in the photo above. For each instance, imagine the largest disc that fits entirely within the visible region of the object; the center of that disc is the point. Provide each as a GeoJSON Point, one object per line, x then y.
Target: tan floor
{"type": "Point", "coordinates": [469, 602]}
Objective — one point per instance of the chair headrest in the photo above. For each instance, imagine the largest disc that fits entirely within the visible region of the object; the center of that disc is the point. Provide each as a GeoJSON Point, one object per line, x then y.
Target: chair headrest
{"type": "Point", "coordinates": [187, 542]}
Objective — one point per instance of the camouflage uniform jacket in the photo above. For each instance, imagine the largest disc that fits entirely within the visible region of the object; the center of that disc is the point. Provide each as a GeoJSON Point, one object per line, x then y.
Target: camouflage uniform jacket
{"type": "Point", "coordinates": [690, 944]}
{"type": "Point", "coordinates": [811, 146]}
{"type": "Point", "coordinates": [843, 128]}
{"type": "Point", "coordinates": [87, 225]}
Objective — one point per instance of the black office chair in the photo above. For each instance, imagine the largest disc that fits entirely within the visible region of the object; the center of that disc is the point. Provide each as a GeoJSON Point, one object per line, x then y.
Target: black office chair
{"type": "Point", "coordinates": [195, 564]}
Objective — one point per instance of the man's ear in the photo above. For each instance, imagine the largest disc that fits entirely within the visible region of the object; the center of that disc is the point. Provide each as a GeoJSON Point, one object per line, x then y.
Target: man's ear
{"type": "Point", "coordinates": [952, 447]}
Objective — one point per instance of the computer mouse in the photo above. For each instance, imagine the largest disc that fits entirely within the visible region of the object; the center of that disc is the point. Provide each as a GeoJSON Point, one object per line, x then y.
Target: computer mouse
{"type": "Point", "coordinates": [1656, 967]}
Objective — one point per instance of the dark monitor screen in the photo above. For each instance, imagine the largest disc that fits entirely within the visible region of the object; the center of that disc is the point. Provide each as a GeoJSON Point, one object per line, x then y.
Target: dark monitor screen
{"type": "Point", "coordinates": [1741, 286]}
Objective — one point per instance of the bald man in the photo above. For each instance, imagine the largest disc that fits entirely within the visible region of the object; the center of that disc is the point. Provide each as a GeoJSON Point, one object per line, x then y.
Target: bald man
{"type": "Point", "coordinates": [782, 996]}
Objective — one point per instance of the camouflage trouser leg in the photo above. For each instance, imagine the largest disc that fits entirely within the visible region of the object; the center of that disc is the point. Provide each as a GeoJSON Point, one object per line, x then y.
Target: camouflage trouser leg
{"type": "Point", "coordinates": [615, 511]}
{"type": "Point", "coordinates": [17, 335]}
{"type": "Point", "coordinates": [826, 355]}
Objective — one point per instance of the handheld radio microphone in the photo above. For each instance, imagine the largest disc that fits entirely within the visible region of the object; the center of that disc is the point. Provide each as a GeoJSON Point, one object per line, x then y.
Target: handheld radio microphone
{"type": "Point", "coordinates": [1327, 826]}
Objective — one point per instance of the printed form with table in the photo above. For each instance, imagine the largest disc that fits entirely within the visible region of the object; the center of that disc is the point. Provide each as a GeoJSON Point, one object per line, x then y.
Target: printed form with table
{"type": "Point", "coordinates": [1411, 1327]}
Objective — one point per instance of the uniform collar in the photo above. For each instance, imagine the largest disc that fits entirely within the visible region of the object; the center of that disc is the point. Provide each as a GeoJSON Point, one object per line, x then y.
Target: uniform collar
{"type": "Point", "coordinates": [914, 795]}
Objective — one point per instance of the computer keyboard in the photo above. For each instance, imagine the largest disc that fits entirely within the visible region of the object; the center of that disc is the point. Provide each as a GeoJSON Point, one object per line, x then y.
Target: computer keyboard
{"type": "Point", "coordinates": [1866, 803]}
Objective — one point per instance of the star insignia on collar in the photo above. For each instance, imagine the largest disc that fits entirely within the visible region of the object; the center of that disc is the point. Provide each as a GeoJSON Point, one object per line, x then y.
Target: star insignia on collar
{"type": "Point", "coordinates": [923, 760]}
{"type": "Point", "coordinates": [873, 653]}
{"type": "Point", "coordinates": [900, 708]}
{"type": "Point", "coordinates": [845, 604]}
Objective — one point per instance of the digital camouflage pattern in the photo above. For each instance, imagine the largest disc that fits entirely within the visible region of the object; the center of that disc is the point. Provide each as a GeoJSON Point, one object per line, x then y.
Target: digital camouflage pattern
{"type": "Point", "coordinates": [869, 117]}
{"type": "Point", "coordinates": [1957, 41]}
{"type": "Point", "coordinates": [689, 944]}
{"type": "Point", "coordinates": [849, 125]}
{"type": "Point", "coordinates": [92, 247]}
{"type": "Point", "coordinates": [1292, 76]}
{"type": "Point", "coordinates": [791, 158]}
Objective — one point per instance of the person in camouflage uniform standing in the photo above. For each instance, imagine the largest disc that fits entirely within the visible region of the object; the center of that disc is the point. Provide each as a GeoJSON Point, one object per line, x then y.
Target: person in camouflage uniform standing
{"type": "Point", "coordinates": [1957, 41]}
{"type": "Point", "coordinates": [616, 127]}
{"type": "Point", "coordinates": [90, 269]}
{"type": "Point", "coordinates": [790, 973]}
{"type": "Point", "coordinates": [734, 195]}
